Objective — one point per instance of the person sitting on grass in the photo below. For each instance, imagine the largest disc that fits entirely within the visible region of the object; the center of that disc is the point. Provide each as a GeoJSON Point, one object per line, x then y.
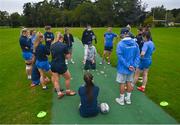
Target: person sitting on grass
{"type": "Point", "coordinates": [89, 97]}
{"type": "Point", "coordinates": [90, 58]}
{"type": "Point", "coordinates": [145, 60]}
{"type": "Point", "coordinates": [59, 52]}
{"type": "Point", "coordinates": [108, 44]}
{"type": "Point", "coordinates": [41, 53]}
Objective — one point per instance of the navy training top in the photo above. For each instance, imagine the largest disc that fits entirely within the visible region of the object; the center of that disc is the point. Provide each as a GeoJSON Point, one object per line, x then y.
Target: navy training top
{"type": "Point", "coordinates": [88, 109]}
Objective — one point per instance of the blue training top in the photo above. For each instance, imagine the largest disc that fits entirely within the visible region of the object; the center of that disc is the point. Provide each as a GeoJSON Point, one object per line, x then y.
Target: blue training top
{"type": "Point", "coordinates": [148, 48]}
{"type": "Point", "coordinates": [25, 44]}
{"type": "Point", "coordinates": [41, 52]}
{"type": "Point", "coordinates": [48, 35]}
{"type": "Point", "coordinates": [128, 55]}
{"type": "Point", "coordinates": [88, 109]}
{"type": "Point", "coordinates": [109, 39]}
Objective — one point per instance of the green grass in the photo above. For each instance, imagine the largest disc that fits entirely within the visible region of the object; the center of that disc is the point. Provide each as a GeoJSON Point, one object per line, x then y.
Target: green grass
{"type": "Point", "coordinates": [20, 104]}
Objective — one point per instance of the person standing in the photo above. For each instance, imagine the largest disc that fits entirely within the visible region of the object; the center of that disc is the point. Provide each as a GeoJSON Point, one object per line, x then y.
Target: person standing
{"type": "Point", "coordinates": [128, 59]}
{"type": "Point", "coordinates": [108, 44]}
{"type": "Point", "coordinates": [87, 38]}
{"type": "Point", "coordinates": [41, 53]}
{"type": "Point", "coordinates": [59, 52]}
{"type": "Point", "coordinates": [145, 60]}
{"type": "Point", "coordinates": [48, 36]}
{"type": "Point", "coordinates": [139, 38]}
{"type": "Point", "coordinates": [26, 48]}
{"type": "Point", "coordinates": [69, 40]}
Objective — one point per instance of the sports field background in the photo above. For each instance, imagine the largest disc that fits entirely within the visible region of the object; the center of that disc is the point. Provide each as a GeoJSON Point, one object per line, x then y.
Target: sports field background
{"type": "Point", "coordinates": [20, 104]}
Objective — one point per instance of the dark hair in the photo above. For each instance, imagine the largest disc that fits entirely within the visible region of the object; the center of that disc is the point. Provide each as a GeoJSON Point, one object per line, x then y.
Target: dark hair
{"type": "Point", "coordinates": [147, 34]}
{"type": "Point", "coordinates": [140, 29]}
{"type": "Point", "coordinates": [88, 77]}
{"type": "Point", "coordinates": [31, 31]}
{"type": "Point", "coordinates": [47, 27]}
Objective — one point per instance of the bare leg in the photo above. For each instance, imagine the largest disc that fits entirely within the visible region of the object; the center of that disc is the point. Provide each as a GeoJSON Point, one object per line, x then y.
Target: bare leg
{"type": "Point", "coordinates": [145, 77]}
{"type": "Point", "coordinates": [67, 77]}
{"type": "Point", "coordinates": [129, 87]}
{"type": "Point", "coordinates": [103, 57]}
{"type": "Point", "coordinates": [122, 90]}
{"type": "Point", "coordinates": [109, 56]}
{"type": "Point", "coordinates": [137, 73]}
{"type": "Point", "coordinates": [55, 79]}
{"type": "Point", "coordinates": [42, 78]}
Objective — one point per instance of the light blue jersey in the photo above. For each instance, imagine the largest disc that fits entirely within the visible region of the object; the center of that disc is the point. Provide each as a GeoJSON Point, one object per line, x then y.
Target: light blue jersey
{"type": "Point", "coordinates": [109, 37]}
{"type": "Point", "coordinates": [148, 48]}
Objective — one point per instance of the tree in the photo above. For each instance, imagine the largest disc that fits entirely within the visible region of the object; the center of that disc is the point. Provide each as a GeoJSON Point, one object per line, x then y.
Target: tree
{"type": "Point", "coordinates": [177, 18]}
{"type": "Point", "coordinates": [170, 17]}
{"type": "Point", "coordinates": [15, 19]}
{"type": "Point", "coordinates": [148, 21]}
{"type": "Point", "coordinates": [86, 13]}
{"type": "Point", "coordinates": [105, 10]}
{"type": "Point", "coordinates": [159, 12]}
{"type": "Point", "coordinates": [4, 18]}
{"type": "Point", "coordinates": [128, 11]}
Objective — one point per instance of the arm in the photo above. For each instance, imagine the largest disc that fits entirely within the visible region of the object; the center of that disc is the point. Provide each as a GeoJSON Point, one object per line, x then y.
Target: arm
{"type": "Point", "coordinates": [144, 49]}
{"type": "Point", "coordinates": [66, 52]}
{"type": "Point", "coordinates": [94, 37]}
{"type": "Point", "coordinates": [119, 52]}
{"type": "Point", "coordinates": [83, 38]}
{"type": "Point", "coordinates": [137, 58]}
{"type": "Point", "coordinates": [72, 38]}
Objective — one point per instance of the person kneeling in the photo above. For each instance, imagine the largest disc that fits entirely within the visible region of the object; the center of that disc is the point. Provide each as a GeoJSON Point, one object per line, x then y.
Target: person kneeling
{"type": "Point", "coordinates": [90, 58]}
{"type": "Point", "coordinates": [88, 94]}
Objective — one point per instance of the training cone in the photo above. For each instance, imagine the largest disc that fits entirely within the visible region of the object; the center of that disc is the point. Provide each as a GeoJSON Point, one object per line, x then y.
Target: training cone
{"type": "Point", "coordinates": [164, 103]}
{"type": "Point", "coordinates": [41, 114]}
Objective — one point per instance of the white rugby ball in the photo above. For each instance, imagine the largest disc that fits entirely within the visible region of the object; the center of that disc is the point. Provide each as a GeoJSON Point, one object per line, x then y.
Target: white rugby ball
{"type": "Point", "coordinates": [104, 108]}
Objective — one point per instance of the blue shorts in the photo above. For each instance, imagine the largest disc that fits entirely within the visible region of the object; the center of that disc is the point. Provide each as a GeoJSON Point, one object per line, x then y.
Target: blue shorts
{"type": "Point", "coordinates": [27, 56]}
{"type": "Point", "coordinates": [144, 64]}
{"type": "Point", "coordinates": [44, 65]}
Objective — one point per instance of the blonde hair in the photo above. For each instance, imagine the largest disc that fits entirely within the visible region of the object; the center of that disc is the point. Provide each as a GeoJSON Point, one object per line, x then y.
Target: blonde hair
{"type": "Point", "coordinates": [23, 30]}
{"type": "Point", "coordinates": [58, 36]}
{"type": "Point", "coordinates": [39, 36]}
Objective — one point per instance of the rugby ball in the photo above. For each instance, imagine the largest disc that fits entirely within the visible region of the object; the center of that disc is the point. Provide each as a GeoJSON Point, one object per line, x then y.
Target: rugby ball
{"type": "Point", "coordinates": [104, 107]}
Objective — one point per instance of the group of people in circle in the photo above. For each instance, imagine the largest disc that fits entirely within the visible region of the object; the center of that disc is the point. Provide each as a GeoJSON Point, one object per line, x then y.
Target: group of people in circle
{"type": "Point", "coordinates": [134, 56]}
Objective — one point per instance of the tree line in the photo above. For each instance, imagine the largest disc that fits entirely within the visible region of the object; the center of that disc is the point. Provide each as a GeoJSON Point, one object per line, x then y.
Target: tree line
{"type": "Point", "coordinates": [77, 13]}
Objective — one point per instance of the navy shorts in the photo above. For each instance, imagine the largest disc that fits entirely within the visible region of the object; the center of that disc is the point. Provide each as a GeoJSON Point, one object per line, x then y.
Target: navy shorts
{"type": "Point", "coordinates": [58, 68]}
{"type": "Point", "coordinates": [107, 48]}
{"type": "Point", "coordinates": [89, 65]}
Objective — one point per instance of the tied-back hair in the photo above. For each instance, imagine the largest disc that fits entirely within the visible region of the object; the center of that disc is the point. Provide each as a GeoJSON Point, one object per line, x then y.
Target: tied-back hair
{"type": "Point", "coordinates": [38, 40]}
{"type": "Point", "coordinates": [88, 78]}
{"type": "Point", "coordinates": [58, 36]}
{"type": "Point", "coordinates": [147, 34]}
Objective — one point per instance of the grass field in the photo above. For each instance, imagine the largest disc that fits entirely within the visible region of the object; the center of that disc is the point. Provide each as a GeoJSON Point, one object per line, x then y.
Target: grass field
{"type": "Point", "coordinates": [20, 104]}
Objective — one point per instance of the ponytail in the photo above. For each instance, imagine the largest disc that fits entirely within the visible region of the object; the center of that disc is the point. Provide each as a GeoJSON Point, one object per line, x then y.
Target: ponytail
{"type": "Point", "coordinates": [89, 86]}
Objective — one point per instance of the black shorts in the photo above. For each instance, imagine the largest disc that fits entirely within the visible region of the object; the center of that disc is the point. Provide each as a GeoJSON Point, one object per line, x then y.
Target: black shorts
{"type": "Point", "coordinates": [89, 65]}
{"type": "Point", "coordinates": [58, 68]}
{"type": "Point", "coordinates": [107, 48]}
